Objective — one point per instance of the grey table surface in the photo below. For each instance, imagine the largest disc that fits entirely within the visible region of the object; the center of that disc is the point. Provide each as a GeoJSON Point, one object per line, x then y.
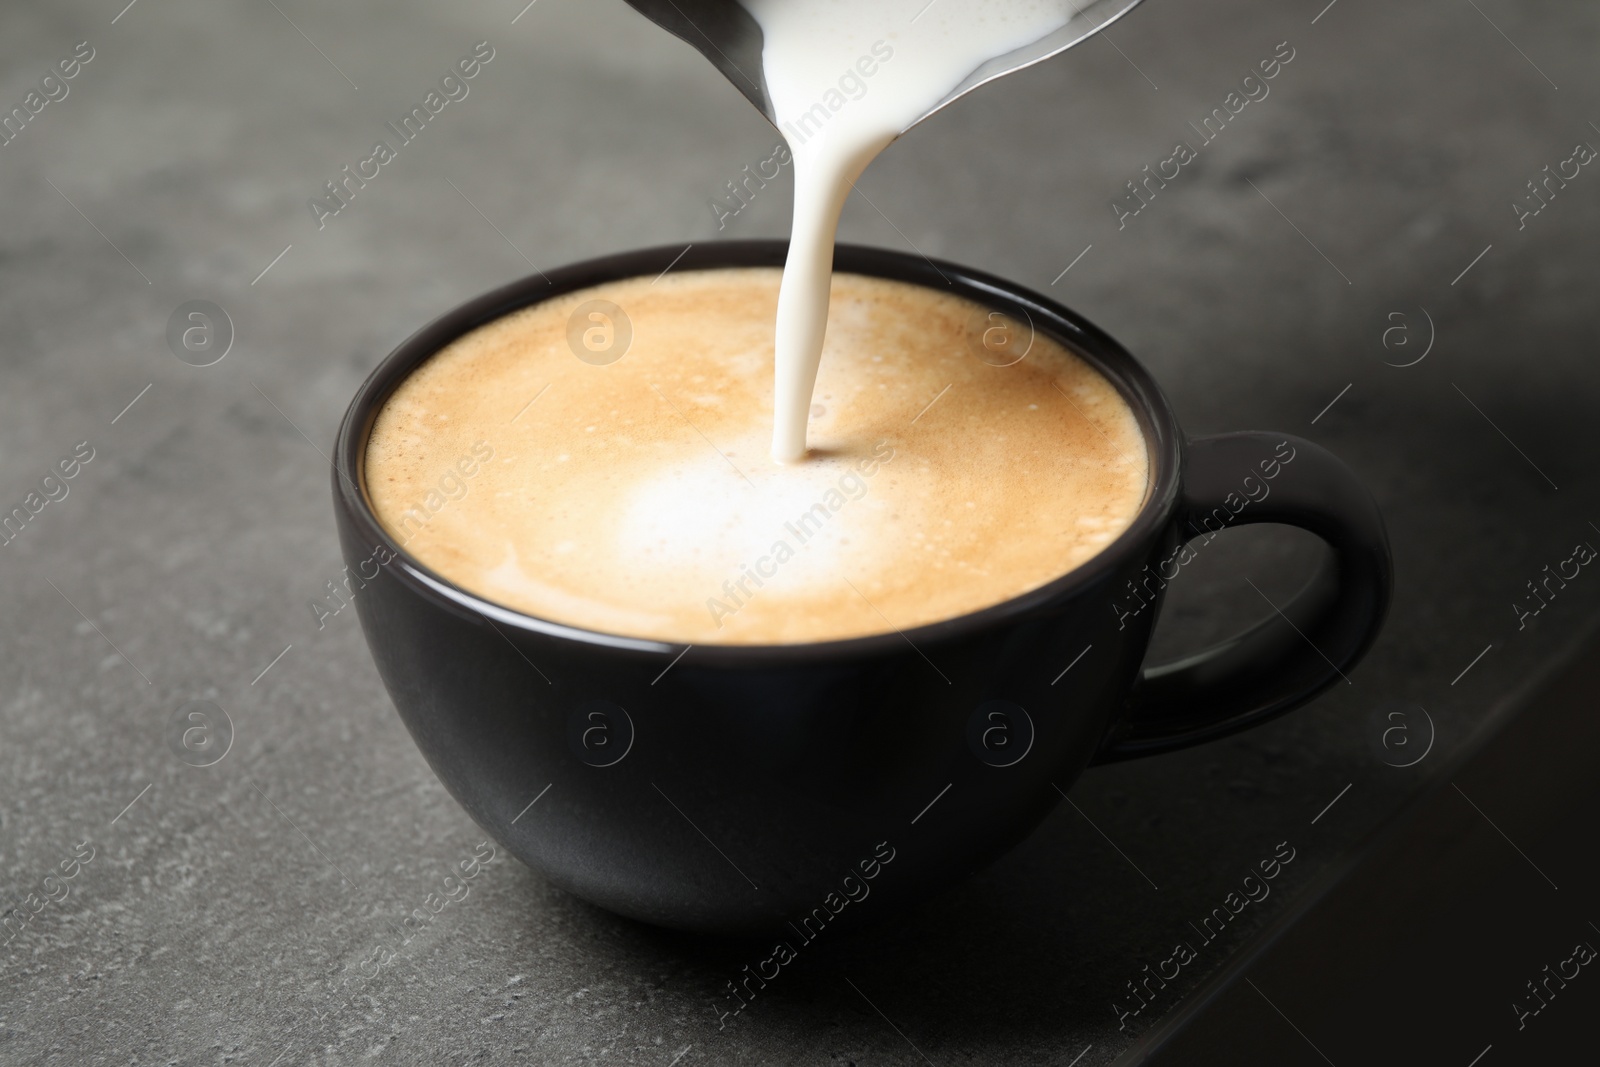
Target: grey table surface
{"type": "Point", "coordinates": [230, 912]}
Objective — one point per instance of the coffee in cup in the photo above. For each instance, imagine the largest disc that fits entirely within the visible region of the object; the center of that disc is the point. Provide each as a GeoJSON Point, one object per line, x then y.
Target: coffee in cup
{"type": "Point", "coordinates": [724, 787]}
{"type": "Point", "coordinates": [619, 481]}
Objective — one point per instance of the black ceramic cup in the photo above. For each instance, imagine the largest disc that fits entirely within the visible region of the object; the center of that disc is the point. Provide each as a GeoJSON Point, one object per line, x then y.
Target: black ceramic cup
{"type": "Point", "coordinates": [753, 789]}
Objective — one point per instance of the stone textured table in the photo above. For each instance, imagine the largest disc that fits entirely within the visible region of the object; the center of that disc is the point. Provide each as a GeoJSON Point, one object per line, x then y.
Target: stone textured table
{"type": "Point", "coordinates": [242, 912]}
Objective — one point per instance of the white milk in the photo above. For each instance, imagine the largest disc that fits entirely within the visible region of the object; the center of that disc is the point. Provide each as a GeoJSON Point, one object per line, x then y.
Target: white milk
{"type": "Point", "coordinates": [847, 77]}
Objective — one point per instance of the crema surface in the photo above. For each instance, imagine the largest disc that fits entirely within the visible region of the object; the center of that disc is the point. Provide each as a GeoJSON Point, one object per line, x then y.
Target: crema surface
{"type": "Point", "coordinates": [956, 463]}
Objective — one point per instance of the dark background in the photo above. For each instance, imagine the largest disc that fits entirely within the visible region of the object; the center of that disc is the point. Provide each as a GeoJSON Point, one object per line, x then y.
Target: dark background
{"type": "Point", "coordinates": [225, 907]}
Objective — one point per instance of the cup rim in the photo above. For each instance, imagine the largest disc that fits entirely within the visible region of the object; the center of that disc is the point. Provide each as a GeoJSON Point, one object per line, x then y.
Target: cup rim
{"type": "Point", "coordinates": [1164, 441]}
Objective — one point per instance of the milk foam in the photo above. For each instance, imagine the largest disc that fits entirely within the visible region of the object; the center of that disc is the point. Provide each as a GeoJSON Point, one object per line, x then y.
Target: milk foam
{"type": "Point", "coordinates": [637, 498]}
{"type": "Point", "coordinates": [837, 117]}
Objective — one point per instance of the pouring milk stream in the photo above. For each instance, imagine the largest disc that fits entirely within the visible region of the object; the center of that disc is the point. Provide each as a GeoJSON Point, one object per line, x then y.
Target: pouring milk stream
{"type": "Point", "coordinates": [837, 117]}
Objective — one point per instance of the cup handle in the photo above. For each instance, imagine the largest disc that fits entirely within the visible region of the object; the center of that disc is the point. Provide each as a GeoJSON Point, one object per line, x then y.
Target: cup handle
{"type": "Point", "coordinates": [1304, 646]}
